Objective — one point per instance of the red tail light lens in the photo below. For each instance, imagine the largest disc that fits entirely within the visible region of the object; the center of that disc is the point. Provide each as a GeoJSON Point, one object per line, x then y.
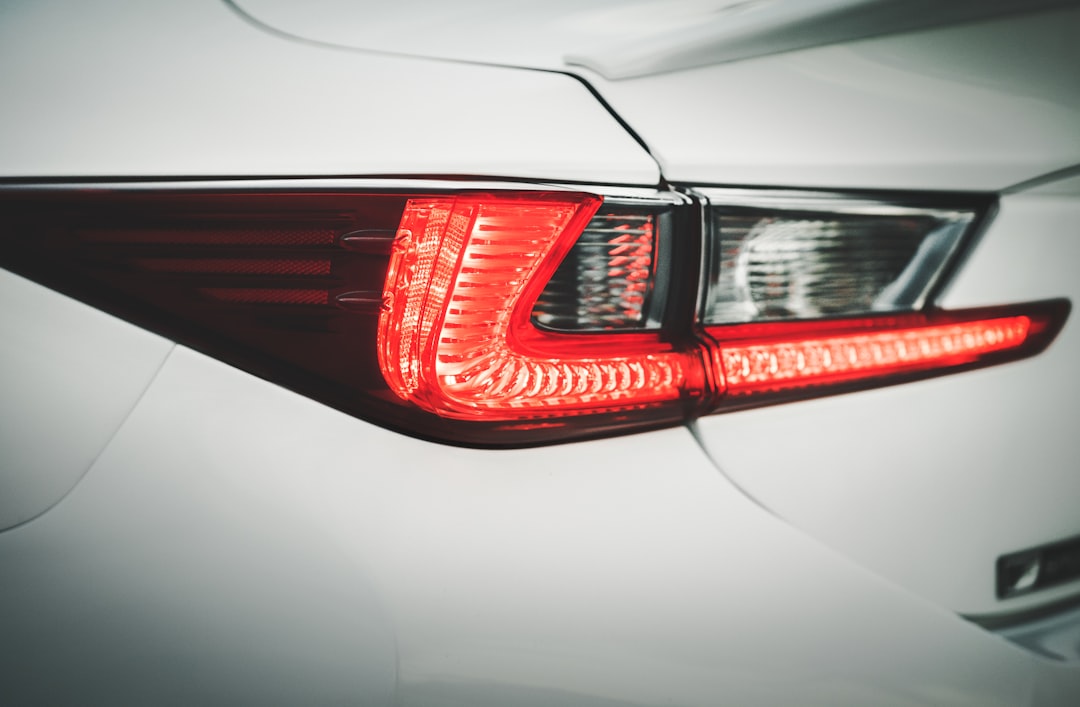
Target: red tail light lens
{"type": "Point", "coordinates": [794, 362]}
{"type": "Point", "coordinates": [456, 334]}
{"type": "Point", "coordinates": [779, 361]}
{"type": "Point", "coordinates": [459, 268]}
{"type": "Point", "coordinates": [515, 317]}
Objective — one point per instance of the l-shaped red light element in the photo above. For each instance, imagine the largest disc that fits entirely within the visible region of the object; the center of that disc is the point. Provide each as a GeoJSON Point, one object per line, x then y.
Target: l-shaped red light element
{"type": "Point", "coordinates": [455, 331]}
{"type": "Point", "coordinates": [456, 337]}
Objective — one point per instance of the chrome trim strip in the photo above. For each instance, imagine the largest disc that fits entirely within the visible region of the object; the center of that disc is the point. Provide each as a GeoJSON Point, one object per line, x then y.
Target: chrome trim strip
{"type": "Point", "coordinates": [632, 194]}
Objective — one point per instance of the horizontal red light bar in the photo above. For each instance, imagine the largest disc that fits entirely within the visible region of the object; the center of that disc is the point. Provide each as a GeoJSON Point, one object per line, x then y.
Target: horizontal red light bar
{"type": "Point", "coordinates": [781, 357]}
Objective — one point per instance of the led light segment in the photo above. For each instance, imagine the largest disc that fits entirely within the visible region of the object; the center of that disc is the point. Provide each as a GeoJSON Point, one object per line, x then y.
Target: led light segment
{"type": "Point", "coordinates": [416, 249]}
{"type": "Point", "coordinates": [795, 362]}
{"type": "Point", "coordinates": [455, 333]}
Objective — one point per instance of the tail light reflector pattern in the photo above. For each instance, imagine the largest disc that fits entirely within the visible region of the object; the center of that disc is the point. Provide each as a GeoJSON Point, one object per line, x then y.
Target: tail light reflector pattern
{"type": "Point", "coordinates": [456, 334]}
{"type": "Point", "coordinates": [795, 362]}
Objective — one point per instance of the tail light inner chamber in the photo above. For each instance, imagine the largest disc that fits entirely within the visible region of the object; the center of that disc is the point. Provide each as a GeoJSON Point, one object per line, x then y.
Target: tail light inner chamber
{"type": "Point", "coordinates": [503, 315]}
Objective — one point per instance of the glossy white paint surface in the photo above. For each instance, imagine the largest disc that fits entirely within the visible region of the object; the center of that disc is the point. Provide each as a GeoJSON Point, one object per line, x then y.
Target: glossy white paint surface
{"type": "Point", "coordinates": [1029, 252]}
{"type": "Point", "coordinates": [69, 375]}
{"type": "Point", "coordinates": [973, 108]}
{"type": "Point", "coordinates": [271, 544]}
{"type": "Point", "coordinates": [928, 483]}
{"type": "Point", "coordinates": [617, 38]}
{"type": "Point", "coordinates": [158, 88]}
{"type": "Point", "coordinates": [163, 581]}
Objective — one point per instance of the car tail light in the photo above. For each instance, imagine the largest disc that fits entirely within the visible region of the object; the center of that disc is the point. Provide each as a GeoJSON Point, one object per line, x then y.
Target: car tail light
{"type": "Point", "coordinates": [811, 293]}
{"type": "Point", "coordinates": [804, 357]}
{"type": "Point", "coordinates": [513, 316]}
{"type": "Point", "coordinates": [457, 335]}
{"type": "Point", "coordinates": [780, 255]}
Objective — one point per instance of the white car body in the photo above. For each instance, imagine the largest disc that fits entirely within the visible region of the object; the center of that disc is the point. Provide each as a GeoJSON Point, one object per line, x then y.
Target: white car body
{"type": "Point", "coordinates": [174, 529]}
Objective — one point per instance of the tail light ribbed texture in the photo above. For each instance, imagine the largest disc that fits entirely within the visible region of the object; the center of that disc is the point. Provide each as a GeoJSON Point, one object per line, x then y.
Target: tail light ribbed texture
{"type": "Point", "coordinates": [456, 334]}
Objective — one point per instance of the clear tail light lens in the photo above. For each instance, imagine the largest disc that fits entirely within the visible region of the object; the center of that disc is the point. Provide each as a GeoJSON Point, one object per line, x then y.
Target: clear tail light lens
{"type": "Point", "coordinates": [508, 317]}
{"type": "Point", "coordinates": [776, 256]}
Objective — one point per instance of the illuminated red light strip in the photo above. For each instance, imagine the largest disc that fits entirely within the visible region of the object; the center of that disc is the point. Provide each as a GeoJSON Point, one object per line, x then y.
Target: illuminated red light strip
{"type": "Point", "coordinates": [456, 335]}
{"type": "Point", "coordinates": [773, 366]}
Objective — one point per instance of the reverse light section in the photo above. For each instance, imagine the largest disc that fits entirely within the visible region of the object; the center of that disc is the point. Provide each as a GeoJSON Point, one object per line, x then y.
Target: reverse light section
{"type": "Point", "coordinates": [784, 255]}
{"type": "Point", "coordinates": [456, 332]}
